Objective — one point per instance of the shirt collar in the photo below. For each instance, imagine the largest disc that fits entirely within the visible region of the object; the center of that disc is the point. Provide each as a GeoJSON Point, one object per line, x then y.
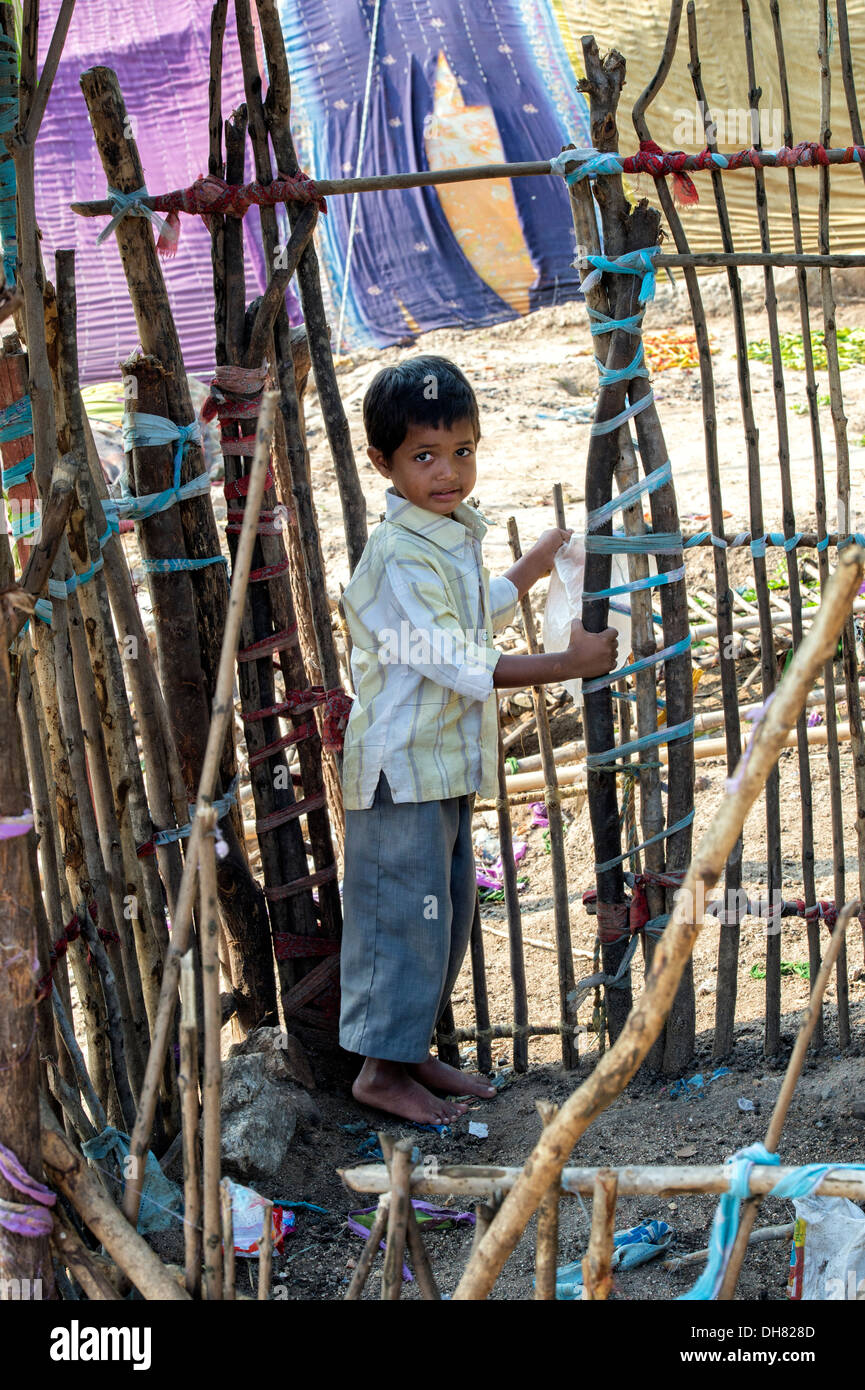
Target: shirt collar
{"type": "Point", "coordinates": [446, 531]}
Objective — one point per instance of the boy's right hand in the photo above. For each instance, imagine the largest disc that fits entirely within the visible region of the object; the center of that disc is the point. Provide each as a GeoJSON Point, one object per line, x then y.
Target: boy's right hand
{"type": "Point", "coordinates": [592, 653]}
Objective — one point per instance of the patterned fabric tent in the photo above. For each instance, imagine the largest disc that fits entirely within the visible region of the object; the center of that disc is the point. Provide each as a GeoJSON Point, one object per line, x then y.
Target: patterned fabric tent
{"type": "Point", "coordinates": [450, 83]}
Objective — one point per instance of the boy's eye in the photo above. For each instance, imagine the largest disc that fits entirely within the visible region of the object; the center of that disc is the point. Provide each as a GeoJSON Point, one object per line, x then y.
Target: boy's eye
{"type": "Point", "coordinates": [423, 457]}
{"type": "Point", "coordinates": [465, 451]}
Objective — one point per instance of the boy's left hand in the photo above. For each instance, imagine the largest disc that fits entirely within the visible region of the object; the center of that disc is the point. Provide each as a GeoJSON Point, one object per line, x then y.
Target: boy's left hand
{"type": "Point", "coordinates": [546, 547]}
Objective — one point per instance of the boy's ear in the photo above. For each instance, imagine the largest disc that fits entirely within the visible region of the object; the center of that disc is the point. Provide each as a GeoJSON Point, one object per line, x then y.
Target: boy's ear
{"type": "Point", "coordinates": [378, 461]}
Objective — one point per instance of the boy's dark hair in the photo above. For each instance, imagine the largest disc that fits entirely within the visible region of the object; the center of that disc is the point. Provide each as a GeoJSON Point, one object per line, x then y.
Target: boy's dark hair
{"type": "Point", "coordinates": [422, 391]}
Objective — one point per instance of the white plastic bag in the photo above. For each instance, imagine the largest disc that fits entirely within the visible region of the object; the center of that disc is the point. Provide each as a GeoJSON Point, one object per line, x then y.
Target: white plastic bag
{"type": "Point", "coordinates": [565, 604]}
{"type": "Point", "coordinates": [827, 1258]}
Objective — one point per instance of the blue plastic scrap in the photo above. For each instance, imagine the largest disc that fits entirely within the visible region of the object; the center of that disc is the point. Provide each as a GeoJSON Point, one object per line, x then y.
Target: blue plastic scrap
{"type": "Point", "coordinates": [631, 1248]}
{"type": "Point", "coordinates": [695, 1086]}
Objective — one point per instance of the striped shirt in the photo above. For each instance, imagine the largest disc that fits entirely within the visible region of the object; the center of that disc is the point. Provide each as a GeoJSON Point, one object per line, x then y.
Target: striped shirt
{"type": "Point", "coordinates": [421, 611]}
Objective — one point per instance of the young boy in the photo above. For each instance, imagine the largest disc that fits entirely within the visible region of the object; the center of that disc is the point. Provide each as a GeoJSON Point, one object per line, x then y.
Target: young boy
{"type": "Point", "coordinates": [422, 736]}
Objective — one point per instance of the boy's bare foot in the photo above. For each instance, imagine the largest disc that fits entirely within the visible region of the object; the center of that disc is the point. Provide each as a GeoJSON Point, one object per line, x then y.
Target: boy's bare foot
{"type": "Point", "coordinates": [388, 1086]}
{"type": "Point", "coordinates": [441, 1077]}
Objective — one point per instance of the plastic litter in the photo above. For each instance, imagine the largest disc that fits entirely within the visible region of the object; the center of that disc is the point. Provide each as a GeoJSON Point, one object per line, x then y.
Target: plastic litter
{"type": "Point", "coordinates": [480, 1131]}
{"type": "Point", "coordinates": [246, 1216]}
{"type": "Point", "coordinates": [565, 604]}
{"type": "Point", "coordinates": [695, 1086]}
{"type": "Point", "coordinates": [632, 1247]}
{"type": "Point", "coordinates": [745, 1104]}
{"type": "Point", "coordinates": [827, 1257]}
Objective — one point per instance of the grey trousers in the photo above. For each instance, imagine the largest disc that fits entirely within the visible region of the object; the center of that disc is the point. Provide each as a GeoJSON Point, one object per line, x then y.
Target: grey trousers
{"type": "Point", "coordinates": [408, 902]}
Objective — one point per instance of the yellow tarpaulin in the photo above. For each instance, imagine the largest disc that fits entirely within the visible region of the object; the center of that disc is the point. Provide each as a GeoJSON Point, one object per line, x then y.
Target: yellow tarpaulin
{"type": "Point", "coordinates": [639, 30]}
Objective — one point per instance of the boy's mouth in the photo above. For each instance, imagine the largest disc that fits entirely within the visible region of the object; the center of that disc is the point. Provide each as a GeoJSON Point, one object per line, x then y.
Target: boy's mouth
{"type": "Point", "coordinates": [449, 495]}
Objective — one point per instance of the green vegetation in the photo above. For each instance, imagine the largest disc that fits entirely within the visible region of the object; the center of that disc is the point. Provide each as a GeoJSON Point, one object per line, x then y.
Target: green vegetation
{"type": "Point", "coordinates": [851, 350]}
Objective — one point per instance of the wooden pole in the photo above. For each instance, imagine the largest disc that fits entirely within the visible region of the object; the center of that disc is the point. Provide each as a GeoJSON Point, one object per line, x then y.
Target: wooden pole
{"type": "Point", "coordinates": [367, 1255]}
{"type": "Point", "coordinates": [400, 1203]}
{"type": "Point", "coordinates": [845, 519]}
{"type": "Point", "coordinates": [212, 1080]}
{"type": "Point", "coordinates": [547, 1249]}
{"type": "Point", "coordinates": [468, 173]}
{"type": "Point", "coordinates": [241, 901]}
{"type": "Point", "coordinates": [773, 821]}
{"type": "Point", "coordinates": [277, 114]}
{"type": "Point", "coordinates": [188, 1083]}
{"type": "Point", "coordinates": [618, 1065]}
{"type": "Point", "coordinates": [222, 712]}
{"type": "Point", "coordinates": [636, 1180]}
{"type": "Point", "coordinates": [597, 1273]}
{"type": "Point", "coordinates": [514, 914]}
{"type": "Point", "coordinates": [564, 956]}
{"type": "Point", "coordinates": [21, 1256]}
{"type": "Point", "coordinates": [84, 1266]}
{"type": "Point", "coordinates": [785, 1095]}
{"type": "Point", "coordinates": [265, 1251]}
{"type": "Point", "coordinates": [228, 1263]}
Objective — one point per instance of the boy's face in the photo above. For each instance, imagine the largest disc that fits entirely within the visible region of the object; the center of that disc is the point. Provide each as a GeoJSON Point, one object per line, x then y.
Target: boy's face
{"type": "Point", "coordinates": [432, 468]}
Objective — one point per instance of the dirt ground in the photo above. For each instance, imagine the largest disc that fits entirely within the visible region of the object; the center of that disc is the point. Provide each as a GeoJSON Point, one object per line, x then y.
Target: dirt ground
{"type": "Point", "coordinates": [517, 369]}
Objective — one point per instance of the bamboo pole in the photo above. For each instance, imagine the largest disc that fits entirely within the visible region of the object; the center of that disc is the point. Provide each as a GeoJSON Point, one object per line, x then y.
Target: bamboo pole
{"type": "Point", "coordinates": [547, 1247]}
{"type": "Point", "coordinates": [564, 957]}
{"type": "Point", "coordinates": [597, 1272]}
{"type": "Point", "coordinates": [400, 1205]}
{"type": "Point", "coordinates": [618, 1065]}
{"type": "Point", "coordinates": [367, 1255]}
{"type": "Point", "coordinates": [69, 1173]}
{"type": "Point", "coordinates": [222, 712]}
{"type": "Point", "coordinates": [265, 1251]}
{"type": "Point", "coordinates": [212, 1079]}
{"type": "Point", "coordinates": [785, 1095]}
{"type": "Point", "coordinates": [188, 1084]}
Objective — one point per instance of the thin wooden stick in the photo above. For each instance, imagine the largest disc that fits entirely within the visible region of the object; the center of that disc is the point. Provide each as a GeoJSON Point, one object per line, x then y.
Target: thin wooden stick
{"type": "Point", "coordinates": [564, 959]}
{"type": "Point", "coordinates": [400, 1173]}
{"type": "Point", "coordinates": [211, 1086]}
{"type": "Point", "coordinates": [430, 178]}
{"type": "Point", "coordinates": [222, 713]}
{"type": "Point", "coordinates": [618, 1065]}
{"type": "Point", "coordinates": [758, 1237]}
{"type": "Point", "coordinates": [265, 1251]}
{"type": "Point", "coordinates": [420, 1258]}
{"type": "Point", "coordinates": [82, 1263]}
{"type": "Point", "coordinates": [188, 1084]}
{"type": "Point", "coordinates": [367, 1255]}
{"type": "Point", "coordinates": [228, 1263]}
{"type": "Point", "coordinates": [547, 1247]}
{"type": "Point", "coordinates": [597, 1273]}
{"type": "Point", "coordinates": [845, 521]}
{"type": "Point", "coordinates": [635, 1180]}
{"type": "Point", "coordinates": [485, 1213]}
{"type": "Point", "coordinates": [515, 924]}
{"type": "Point", "coordinates": [480, 994]}
{"type": "Point", "coordinates": [785, 1095]}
